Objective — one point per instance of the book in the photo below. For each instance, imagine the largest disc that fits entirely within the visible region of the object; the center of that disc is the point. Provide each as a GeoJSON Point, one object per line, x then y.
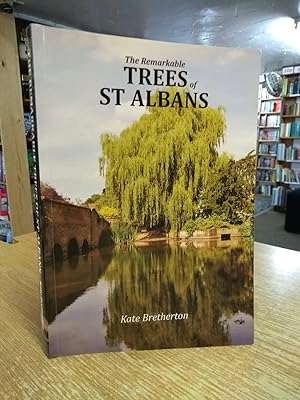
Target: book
{"type": "Point", "coordinates": [144, 166]}
{"type": "Point", "coordinates": [3, 201]}
{"type": "Point", "coordinates": [2, 169]}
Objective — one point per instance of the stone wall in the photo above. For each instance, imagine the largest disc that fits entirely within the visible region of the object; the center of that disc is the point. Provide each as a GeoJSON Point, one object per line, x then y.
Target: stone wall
{"type": "Point", "coordinates": [65, 224]}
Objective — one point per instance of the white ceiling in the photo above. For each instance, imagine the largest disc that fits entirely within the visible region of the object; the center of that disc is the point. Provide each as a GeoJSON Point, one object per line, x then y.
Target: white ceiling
{"type": "Point", "coordinates": [263, 24]}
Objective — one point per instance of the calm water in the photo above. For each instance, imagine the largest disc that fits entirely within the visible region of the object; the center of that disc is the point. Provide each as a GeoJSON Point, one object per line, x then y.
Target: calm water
{"type": "Point", "coordinates": [214, 286]}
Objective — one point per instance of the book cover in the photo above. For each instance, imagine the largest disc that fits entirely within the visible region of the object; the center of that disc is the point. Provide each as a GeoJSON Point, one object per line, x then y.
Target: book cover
{"type": "Point", "coordinates": [144, 168]}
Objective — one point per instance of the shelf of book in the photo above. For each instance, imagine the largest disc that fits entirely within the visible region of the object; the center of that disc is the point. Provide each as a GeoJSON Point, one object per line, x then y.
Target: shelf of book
{"type": "Point", "coordinates": [268, 117]}
{"type": "Point", "coordinates": [287, 170]}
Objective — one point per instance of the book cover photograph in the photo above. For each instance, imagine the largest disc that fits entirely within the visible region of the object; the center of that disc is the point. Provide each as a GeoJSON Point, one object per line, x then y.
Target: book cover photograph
{"type": "Point", "coordinates": [144, 168]}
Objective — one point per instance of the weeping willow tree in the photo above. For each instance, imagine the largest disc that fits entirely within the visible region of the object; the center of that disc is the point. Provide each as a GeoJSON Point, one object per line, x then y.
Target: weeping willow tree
{"type": "Point", "coordinates": [155, 169]}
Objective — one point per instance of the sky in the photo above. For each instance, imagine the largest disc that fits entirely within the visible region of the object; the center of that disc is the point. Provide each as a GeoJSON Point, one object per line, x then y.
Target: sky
{"type": "Point", "coordinates": [71, 66]}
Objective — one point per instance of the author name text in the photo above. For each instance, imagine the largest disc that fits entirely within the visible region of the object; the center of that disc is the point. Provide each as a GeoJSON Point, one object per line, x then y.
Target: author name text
{"type": "Point", "coordinates": [125, 319]}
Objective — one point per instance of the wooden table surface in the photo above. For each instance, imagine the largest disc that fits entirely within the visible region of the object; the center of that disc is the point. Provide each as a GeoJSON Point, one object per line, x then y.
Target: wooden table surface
{"type": "Point", "coordinates": [268, 370]}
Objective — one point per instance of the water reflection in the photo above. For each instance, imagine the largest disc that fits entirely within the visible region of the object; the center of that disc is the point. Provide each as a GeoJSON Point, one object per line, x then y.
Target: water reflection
{"type": "Point", "coordinates": [88, 296]}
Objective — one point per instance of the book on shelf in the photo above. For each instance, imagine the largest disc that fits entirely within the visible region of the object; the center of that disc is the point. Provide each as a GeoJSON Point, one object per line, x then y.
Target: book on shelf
{"type": "Point", "coordinates": [126, 138]}
{"type": "Point", "coordinates": [290, 129]}
{"type": "Point", "coordinates": [265, 190]}
{"type": "Point", "coordinates": [279, 196]}
{"type": "Point", "coordinates": [263, 94]}
{"type": "Point", "coordinates": [291, 108]}
{"type": "Point", "coordinates": [270, 106]}
{"type": "Point", "coordinates": [287, 153]}
{"type": "Point", "coordinates": [27, 123]}
{"type": "Point", "coordinates": [290, 86]}
{"type": "Point", "coordinates": [269, 120]}
{"type": "Point", "coordinates": [265, 175]}
{"type": "Point", "coordinates": [268, 134]}
{"type": "Point", "coordinates": [267, 148]}
{"type": "Point", "coordinates": [292, 153]}
{"type": "Point", "coordinates": [5, 230]}
{"type": "Point", "coordinates": [286, 175]}
{"type": "Point", "coordinates": [25, 86]}
{"type": "Point", "coordinates": [267, 162]}
{"type": "Point", "coordinates": [281, 151]}
{"type": "Point", "coordinates": [2, 168]}
{"type": "Point", "coordinates": [3, 201]}
{"type": "Point", "coordinates": [5, 227]}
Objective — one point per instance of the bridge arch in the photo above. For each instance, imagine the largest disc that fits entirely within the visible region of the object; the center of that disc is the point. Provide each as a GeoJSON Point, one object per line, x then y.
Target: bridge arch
{"type": "Point", "coordinates": [58, 254]}
{"type": "Point", "coordinates": [85, 248]}
{"type": "Point", "coordinates": [105, 238]}
{"type": "Point", "coordinates": [73, 248]}
{"type": "Point", "coordinates": [70, 226]}
{"type": "Point", "coordinates": [57, 257]}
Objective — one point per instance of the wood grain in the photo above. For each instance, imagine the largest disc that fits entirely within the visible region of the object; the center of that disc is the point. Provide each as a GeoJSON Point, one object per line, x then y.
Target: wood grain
{"type": "Point", "coordinates": [12, 130]}
{"type": "Point", "coordinates": [268, 370]}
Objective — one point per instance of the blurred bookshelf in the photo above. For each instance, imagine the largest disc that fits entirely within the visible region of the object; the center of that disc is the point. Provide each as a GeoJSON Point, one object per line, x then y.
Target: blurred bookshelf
{"type": "Point", "coordinates": [278, 139]}
{"type": "Point", "coordinates": [287, 173]}
{"type": "Point", "coordinates": [268, 116]}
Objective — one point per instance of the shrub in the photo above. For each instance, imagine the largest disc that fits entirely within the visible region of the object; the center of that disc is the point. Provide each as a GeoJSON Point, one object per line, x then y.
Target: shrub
{"type": "Point", "coordinates": [246, 229]}
{"type": "Point", "coordinates": [200, 223]}
{"type": "Point", "coordinates": [123, 233]}
{"type": "Point", "coordinates": [108, 212]}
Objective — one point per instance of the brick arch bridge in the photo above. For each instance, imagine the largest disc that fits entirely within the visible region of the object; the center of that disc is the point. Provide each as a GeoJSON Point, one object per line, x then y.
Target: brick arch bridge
{"type": "Point", "coordinates": [69, 230]}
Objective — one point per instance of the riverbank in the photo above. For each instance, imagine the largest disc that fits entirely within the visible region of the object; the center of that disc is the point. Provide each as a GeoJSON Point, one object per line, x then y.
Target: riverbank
{"type": "Point", "coordinates": [205, 238]}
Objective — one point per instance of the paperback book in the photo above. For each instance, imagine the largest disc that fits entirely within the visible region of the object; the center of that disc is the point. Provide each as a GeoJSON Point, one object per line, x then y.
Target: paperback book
{"type": "Point", "coordinates": [144, 167]}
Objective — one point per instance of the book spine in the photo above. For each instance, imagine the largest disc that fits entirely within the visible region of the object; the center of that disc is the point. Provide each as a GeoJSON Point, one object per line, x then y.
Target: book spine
{"type": "Point", "coordinates": [37, 195]}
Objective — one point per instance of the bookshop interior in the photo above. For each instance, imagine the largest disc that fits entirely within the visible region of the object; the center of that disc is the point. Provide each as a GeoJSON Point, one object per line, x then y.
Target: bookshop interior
{"type": "Point", "coordinates": [277, 187]}
{"type": "Point", "coordinates": [267, 370]}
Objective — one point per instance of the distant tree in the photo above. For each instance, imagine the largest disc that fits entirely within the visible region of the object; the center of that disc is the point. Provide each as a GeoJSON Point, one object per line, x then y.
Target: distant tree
{"type": "Point", "coordinates": [230, 189]}
{"type": "Point", "coordinates": [92, 199]}
{"type": "Point", "coordinates": [156, 169]}
{"type": "Point", "coordinates": [109, 213]}
{"type": "Point", "coordinates": [78, 202]}
{"type": "Point", "coordinates": [49, 192]}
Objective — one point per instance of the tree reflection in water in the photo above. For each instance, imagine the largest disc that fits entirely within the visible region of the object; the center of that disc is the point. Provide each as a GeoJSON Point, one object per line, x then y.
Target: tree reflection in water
{"type": "Point", "coordinates": [211, 285]}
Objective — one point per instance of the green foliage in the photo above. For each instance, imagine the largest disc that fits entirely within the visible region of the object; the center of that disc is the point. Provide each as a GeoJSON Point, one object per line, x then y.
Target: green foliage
{"type": "Point", "coordinates": [179, 207]}
{"type": "Point", "coordinates": [123, 233]}
{"type": "Point", "coordinates": [103, 205]}
{"type": "Point", "coordinates": [246, 229]}
{"type": "Point", "coordinates": [156, 169]}
{"type": "Point", "coordinates": [93, 199]}
{"type": "Point", "coordinates": [200, 223]}
{"type": "Point", "coordinates": [189, 226]}
{"type": "Point", "coordinates": [108, 212]}
{"type": "Point", "coordinates": [50, 192]}
{"type": "Point", "coordinates": [230, 189]}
